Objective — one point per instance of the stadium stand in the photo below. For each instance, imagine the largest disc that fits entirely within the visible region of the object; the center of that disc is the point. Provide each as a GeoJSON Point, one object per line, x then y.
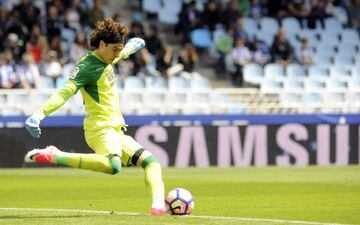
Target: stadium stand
{"type": "Point", "coordinates": [329, 83]}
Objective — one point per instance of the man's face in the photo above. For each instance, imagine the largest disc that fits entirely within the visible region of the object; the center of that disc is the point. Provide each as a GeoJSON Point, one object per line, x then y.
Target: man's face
{"type": "Point", "coordinates": [110, 51]}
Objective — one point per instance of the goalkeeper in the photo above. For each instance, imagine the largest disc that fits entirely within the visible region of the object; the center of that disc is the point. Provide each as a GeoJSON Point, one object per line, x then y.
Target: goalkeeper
{"type": "Point", "coordinates": [103, 123]}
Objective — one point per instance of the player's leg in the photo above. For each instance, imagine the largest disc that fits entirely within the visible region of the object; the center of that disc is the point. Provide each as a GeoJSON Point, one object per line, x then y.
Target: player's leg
{"type": "Point", "coordinates": [107, 160]}
{"type": "Point", "coordinates": [135, 155]}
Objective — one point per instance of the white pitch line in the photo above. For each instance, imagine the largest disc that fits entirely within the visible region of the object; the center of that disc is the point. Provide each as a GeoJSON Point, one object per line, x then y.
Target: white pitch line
{"type": "Point", "coordinates": [192, 216]}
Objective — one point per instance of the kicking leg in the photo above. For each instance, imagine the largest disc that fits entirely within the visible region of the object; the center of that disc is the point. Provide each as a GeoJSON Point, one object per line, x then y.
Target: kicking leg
{"type": "Point", "coordinates": [110, 164]}
{"type": "Point", "coordinates": [153, 179]}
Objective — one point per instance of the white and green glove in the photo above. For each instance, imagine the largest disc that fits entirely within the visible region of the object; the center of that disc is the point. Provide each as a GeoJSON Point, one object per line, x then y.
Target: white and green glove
{"type": "Point", "coordinates": [132, 45]}
{"type": "Point", "coordinates": [32, 124]}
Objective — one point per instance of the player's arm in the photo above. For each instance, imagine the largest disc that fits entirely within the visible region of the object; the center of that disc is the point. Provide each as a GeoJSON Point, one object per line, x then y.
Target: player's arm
{"type": "Point", "coordinates": [78, 78]}
{"type": "Point", "coordinates": [132, 46]}
{"type": "Point", "coordinates": [57, 100]}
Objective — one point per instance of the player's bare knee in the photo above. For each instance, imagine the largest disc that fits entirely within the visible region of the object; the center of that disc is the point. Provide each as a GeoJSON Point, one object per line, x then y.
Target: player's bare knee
{"type": "Point", "coordinates": [115, 163]}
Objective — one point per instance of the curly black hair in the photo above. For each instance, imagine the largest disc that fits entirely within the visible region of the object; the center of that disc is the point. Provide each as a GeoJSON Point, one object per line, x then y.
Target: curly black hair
{"type": "Point", "coordinates": [109, 31]}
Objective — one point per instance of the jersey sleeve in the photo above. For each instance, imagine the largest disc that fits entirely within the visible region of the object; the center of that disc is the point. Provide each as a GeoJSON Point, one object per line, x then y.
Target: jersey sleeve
{"type": "Point", "coordinates": [59, 98]}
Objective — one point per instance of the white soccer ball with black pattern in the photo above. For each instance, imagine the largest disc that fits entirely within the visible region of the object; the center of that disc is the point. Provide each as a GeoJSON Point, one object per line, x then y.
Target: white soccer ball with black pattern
{"type": "Point", "coordinates": [179, 201]}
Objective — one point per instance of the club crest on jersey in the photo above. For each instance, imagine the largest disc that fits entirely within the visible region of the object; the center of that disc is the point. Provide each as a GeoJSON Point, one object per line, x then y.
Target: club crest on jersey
{"type": "Point", "coordinates": [74, 72]}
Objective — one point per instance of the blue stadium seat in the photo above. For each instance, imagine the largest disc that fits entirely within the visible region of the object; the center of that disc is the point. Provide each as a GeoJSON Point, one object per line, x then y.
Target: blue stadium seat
{"type": "Point", "coordinates": [343, 61]}
{"type": "Point", "coordinates": [336, 84]}
{"type": "Point", "coordinates": [323, 59]}
{"type": "Point", "coordinates": [350, 36]}
{"type": "Point", "coordinates": [333, 97]}
{"type": "Point", "coordinates": [201, 38]}
{"type": "Point", "coordinates": [354, 84]}
{"type": "Point", "coordinates": [265, 37]}
{"type": "Point", "coordinates": [68, 35]}
{"type": "Point", "coordinates": [167, 16]}
{"type": "Point", "coordinates": [318, 72]}
{"type": "Point", "coordinates": [176, 83]}
{"type": "Point", "coordinates": [291, 25]}
{"type": "Point", "coordinates": [355, 71]}
{"type": "Point", "coordinates": [198, 98]}
{"type": "Point", "coordinates": [269, 25]}
{"type": "Point", "coordinates": [155, 83]}
{"type": "Point", "coordinates": [133, 83]}
{"type": "Point", "coordinates": [333, 25]}
{"type": "Point", "coordinates": [271, 86]}
{"type": "Point", "coordinates": [200, 83]}
{"type": "Point", "coordinates": [151, 6]}
{"type": "Point", "coordinates": [329, 37]}
{"type": "Point", "coordinates": [326, 49]}
{"type": "Point", "coordinates": [347, 50]}
{"type": "Point", "coordinates": [46, 82]}
{"type": "Point", "coordinates": [311, 97]}
{"type": "Point", "coordinates": [250, 25]}
{"type": "Point", "coordinates": [295, 71]}
{"type": "Point", "coordinates": [274, 71]}
{"type": "Point", "coordinates": [293, 84]}
{"type": "Point", "coordinates": [290, 98]}
{"type": "Point", "coordinates": [253, 73]}
{"type": "Point", "coordinates": [314, 85]}
{"type": "Point", "coordinates": [340, 72]}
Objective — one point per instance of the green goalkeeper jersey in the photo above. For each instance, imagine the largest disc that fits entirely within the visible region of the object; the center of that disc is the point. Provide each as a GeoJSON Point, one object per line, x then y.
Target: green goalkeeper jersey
{"type": "Point", "coordinates": [97, 83]}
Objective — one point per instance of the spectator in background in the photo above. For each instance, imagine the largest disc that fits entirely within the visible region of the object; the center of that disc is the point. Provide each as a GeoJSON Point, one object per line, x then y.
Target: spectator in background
{"type": "Point", "coordinates": [261, 54]}
{"type": "Point", "coordinates": [37, 45]}
{"type": "Point", "coordinates": [164, 62]}
{"type": "Point", "coordinates": [29, 73]}
{"type": "Point", "coordinates": [55, 45]}
{"type": "Point", "coordinates": [15, 26]}
{"type": "Point", "coordinates": [319, 10]}
{"type": "Point", "coordinates": [278, 8]}
{"type": "Point", "coordinates": [7, 74]}
{"type": "Point", "coordinates": [354, 12]}
{"type": "Point", "coordinates": [299, 9]}
{"type": "Point", "coordinates": [241, 56]}
{"type": "Point", "coordinates": [304, 54]}
{"type": "Point", "coordinates": [189, 19]}
{"type": "Point", "coordinates": [257, 9]}
{"type": "Point", "coordinates": [211, 16]}
{"type": "Point", "coordinates": [239, 30]}
{"type": "Point", "coordinates": [53, 23]}
{"type": "Point", "coordinates": [52, 67]}
{"type": "Point", "coordinates": [224, 46]}
{"type": "Point", "coordinates": [153, 41]}
{"type": "Point", "coordinates": [79, 47]}
{"type": "Point", "coordinates": [144, 64]}
{"type": "Point", "coordinates": [96, 13]}
{"type": "Point", "coordinates": [28, 13]}
{"type": "Point", "coordinates": [243, 7]}
{"type": "Point", "coordinates": [281, 50]}
{"type": "Point", "coordinates": [15, 46]}
{"type": "Point", "coordinates": [230, 13]}
{"type": "Point", "coordinates": [136, 30]}
{"type": "Point", "coordinates": [188, 57]}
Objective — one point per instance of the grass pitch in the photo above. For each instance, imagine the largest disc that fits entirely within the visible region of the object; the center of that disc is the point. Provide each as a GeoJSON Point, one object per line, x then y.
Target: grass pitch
{"type": "Point", "coordinates": [254, 196]}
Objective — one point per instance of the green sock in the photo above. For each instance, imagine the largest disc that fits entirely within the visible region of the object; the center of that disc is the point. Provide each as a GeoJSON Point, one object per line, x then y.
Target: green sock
{"type": "Point", "coordinates": [94, 162]}
{"type": "Point", "coordinates": [153, 180]}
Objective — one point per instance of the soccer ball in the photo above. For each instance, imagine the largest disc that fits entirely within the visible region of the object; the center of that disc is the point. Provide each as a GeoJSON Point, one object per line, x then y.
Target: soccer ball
{"type": "Point", "coordinates": [179, 201]}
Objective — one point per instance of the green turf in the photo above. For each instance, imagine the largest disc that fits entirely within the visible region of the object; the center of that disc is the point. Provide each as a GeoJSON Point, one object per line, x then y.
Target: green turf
{"type": "Point", "coordinates": [318, 194]}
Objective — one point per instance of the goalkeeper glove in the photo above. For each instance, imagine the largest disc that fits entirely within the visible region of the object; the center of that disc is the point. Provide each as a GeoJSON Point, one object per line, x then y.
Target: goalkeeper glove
{"type": "Point", "coordinates": [32, 124]}
{"type": "Point", "coordinates": [132, 45]}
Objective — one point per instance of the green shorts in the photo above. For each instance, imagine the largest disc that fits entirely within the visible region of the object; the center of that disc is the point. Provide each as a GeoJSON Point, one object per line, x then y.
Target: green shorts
{"type": "Point", "coordinates": [111, 141]}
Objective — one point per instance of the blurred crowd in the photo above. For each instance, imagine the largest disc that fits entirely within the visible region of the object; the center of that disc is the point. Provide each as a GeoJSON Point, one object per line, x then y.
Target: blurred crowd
{"type": "Point", "coordinates": [38, 38]}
